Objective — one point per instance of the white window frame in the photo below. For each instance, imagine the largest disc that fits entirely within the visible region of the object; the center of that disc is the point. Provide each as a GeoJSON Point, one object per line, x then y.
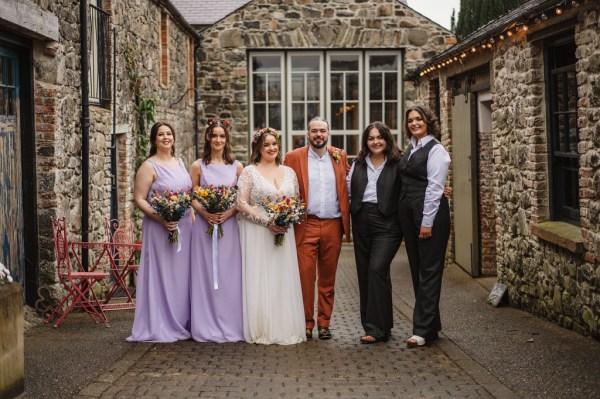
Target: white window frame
{"type": "Point", "coordinates": [283, 72]}
{"type": "Point", "coordinates": [289, 132]}
{"type": "Point", "coordinates": [400, 106]}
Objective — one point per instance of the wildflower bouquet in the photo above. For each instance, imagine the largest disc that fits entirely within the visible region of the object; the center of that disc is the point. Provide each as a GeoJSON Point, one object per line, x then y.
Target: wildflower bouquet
{"type": "Point", "coordinates": [171, 205]}
{"type": "Point", "coordinates": [215, 199]}
{"type": "Point", "coordinates": [284, 211]}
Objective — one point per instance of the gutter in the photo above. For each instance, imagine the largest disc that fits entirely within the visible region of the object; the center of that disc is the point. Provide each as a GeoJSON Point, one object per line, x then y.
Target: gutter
{"type": "Point", "coordinates": [85, 129]}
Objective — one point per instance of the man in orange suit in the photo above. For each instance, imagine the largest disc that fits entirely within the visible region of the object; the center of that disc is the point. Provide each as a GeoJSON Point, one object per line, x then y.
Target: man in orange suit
{"type": "Point", "coordinates": [321, 172]}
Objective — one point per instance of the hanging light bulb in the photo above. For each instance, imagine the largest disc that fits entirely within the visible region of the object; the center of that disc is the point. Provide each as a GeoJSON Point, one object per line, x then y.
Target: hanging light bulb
{"type": "Point", "coordinates": [509, 33]}
{"type": "Point", "coordinates": [492, 41]}
{"type": "Point", "coordinates": [574, 3]}
{"type": "Point", "coordinates": [473, 49]}
{"type": "Point", "coordinates": [489, 45]}
{"type": "Point", "coordinates": [558, 11]}
{"type": "Point", "coordinates": [455, 58]}
{"type": "Point", "coordinates": [483, 46]}
{"type": "Point", "coordinates": [501, 37]}
{"type": "Point", "coordinates": [544, 16]}
{"type": "Point", "coordinates": [525, 28]}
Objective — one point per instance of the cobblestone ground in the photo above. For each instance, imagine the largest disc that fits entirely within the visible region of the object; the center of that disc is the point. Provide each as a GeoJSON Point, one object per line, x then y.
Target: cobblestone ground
{"type": "Point", "coordinates": [339, 368]}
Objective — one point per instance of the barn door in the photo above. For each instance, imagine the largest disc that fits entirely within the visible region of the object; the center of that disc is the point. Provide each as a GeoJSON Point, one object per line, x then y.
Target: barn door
{"type": "Point", "coordinates": [464, 157]}
{"type": "Point", "coordinates": [12, 252]}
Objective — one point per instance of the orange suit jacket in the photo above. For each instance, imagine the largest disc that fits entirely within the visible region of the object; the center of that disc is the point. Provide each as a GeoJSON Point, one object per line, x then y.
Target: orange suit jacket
{"type": "Point", "coordinates": [298, 161]}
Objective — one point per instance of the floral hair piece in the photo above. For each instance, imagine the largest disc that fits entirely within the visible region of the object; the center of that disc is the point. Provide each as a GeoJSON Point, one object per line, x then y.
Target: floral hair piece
{"type": "Point", "coordinates": [215, 122]}
{"type": "Point", "coordinates": [267, 130]}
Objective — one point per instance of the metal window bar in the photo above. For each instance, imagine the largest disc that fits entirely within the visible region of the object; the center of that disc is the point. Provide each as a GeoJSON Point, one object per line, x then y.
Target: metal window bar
{"type": "Point", "coordinates": [99, 55]}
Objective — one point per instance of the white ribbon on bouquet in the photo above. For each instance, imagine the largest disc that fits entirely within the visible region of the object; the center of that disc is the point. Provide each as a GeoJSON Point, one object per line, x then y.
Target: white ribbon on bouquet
{"type": "Point", "coordinates": [215, 256]}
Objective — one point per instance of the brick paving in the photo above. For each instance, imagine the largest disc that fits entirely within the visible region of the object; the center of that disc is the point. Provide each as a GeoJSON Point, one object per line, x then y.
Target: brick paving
{"type": "Point", "coordinates": [339, 368]}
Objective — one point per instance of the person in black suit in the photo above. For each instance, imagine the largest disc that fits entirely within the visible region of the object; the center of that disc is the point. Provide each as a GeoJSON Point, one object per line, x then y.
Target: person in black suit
{"type": "Point", "coordinates": [374, 186]}
{"type": "Point", "coordinates": [424, 218]}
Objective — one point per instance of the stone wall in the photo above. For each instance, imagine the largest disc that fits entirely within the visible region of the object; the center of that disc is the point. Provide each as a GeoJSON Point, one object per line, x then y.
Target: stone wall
{"type": "Point", "coordinates": [543, 276]}
{"type": "Point", "coordinates": [57, 98]}
{"type": "Point", "coordinates": [301, 24]}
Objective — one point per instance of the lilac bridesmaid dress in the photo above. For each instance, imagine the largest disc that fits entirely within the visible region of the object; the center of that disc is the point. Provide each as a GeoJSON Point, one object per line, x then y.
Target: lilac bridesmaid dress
{"type": "Point", "coordinates": [162, 308]}
{"type": "Point", "coordinates": [217, 312]}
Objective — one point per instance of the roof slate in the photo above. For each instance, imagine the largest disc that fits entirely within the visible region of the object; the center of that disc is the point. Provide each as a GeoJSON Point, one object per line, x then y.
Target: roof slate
{"type": "Point", "coordinates": [207, 12]}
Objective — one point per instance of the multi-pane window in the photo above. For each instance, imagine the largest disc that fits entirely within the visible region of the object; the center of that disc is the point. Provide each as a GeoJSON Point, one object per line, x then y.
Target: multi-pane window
{"type": "Point", "coordinates": [349, 88]}
{"type": "Point", "coordinates": [267, 91]}
{"type": "Point", "coordinates": [563, 131]}
{"type": "Point", "coordinates": [8, 86]}
{"type": "Point", "coordinates": [99, 53]}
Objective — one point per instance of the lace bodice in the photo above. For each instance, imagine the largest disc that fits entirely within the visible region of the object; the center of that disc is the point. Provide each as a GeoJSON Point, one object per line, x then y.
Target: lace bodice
{"type": "Point", "coordinates": [253, 189]}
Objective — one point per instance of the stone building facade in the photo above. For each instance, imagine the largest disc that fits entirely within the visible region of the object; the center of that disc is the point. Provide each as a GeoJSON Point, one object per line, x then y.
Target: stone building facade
{"type": "Point", "coordinates": [279, 63]}
{"type": "Point", "coordinates": [531, 82]}
{"type": "Point", "coordinates": [139, 52]}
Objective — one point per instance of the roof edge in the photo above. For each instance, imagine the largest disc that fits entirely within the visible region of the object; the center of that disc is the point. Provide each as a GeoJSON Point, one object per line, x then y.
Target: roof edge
{"type": "Point", "coordinates": [180, 18]}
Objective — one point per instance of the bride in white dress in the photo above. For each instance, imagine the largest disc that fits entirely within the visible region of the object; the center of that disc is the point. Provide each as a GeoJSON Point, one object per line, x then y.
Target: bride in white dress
{"type": "Point", "coordinates": [273, 309]}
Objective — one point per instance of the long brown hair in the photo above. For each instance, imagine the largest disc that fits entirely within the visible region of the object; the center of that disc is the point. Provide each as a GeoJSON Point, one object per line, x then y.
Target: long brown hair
{"type": "Point", "coordinates": [257, 143]}
{"type": "Point", "coordinates": [228, 156]}
{"type": "Point", "coordinates": [391, 152]}
{"type": "Point", "coordinates": [433, 123]}
{"type": "Point", "coordinates": [154, 133]}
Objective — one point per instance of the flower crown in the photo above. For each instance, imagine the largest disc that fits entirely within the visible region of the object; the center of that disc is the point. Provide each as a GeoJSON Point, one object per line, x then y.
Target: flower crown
{"type": "Point", "coordinates": [216, 122]}
{"type": "Point", "coordinates": [267, 130]}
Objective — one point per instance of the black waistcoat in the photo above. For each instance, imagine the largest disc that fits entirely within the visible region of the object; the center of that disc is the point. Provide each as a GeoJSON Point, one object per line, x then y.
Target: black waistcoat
{"type": "Point", "coordinates": [414, 172]}
{"type": "Point", "coordinates": [388, 188]}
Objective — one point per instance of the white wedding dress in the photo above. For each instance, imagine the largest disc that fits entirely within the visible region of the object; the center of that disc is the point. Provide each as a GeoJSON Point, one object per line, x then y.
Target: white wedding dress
{"type": "Point", "coordinates": [273, 308]}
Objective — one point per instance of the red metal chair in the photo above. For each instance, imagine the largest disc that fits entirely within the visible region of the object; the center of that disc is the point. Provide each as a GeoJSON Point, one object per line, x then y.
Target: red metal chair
{"type": "Point", "coordinates": [77, 282]}
{"type": "Point", "coordinates": [123, 266]}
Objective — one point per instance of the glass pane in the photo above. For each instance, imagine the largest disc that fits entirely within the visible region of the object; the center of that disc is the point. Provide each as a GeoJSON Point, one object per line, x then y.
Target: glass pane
{"type": "Point", "coordinates": [297, 87]}
{"type": "Point", "coordinates": [305, 63]}
{"type": "Point", "coordinates": [312, 110]}
{"type": "Point", "coordinates": [10, 71]}
{"type": "Point", "coordinates": [572, 90]}
{"type": "Point", "coordinates": [298, 117]}
{"type": "Point", "coordinates": [383, 63]}
{"type": "Point", "coordinates": [337, 116]}
{"type": "Point", "coordinates": [561, 142]}
{"type": "Point", "coordinates": [391, 115]}
{"type": "Point", "coordinates": [352, 116]}
{"type": "Point", "coordinates": [337, 86]}
{"type": "Point", "coordinates": [275, 87]}
{"type": "Point", "coordinates": [275, 116]}
{"type": "Point", "coordinates": [375, 112]}
{"type": "Point", "coordinates": [313, 86]}
{"type": "Point", "coordinates": [353, 144]}
{"type": "Point", "coordinates": [260, 116]}
{"type": "Point", "coordinates": [2, 70]}
{"type": "Point", "coordinates": [344, 63]}
{"type": "Point", "coordinates": [259, 86]}
{"type": "Point", "coordinates": [337, 141]}
{"type": "Point", "coordinates": [12, 101]}
{"type": "Point", "coordinates": [298, 141]}
{"type": "Point", "coordinates": [573, 136]}
{"type": "Point", "coordinates": [352, 86]}
{"type": "Point", "coordinates": [3, 102]}
{"type": "Point", "coordinates": [266, 63]}
{"type": "Point", "coordinates": [375, 82]}
{"type": "Point", "coordinates": [391, 86]}
{"type": "Point", "coordinates": [559, 87]}
{"type": "Point", "coordinates": [564, 55]}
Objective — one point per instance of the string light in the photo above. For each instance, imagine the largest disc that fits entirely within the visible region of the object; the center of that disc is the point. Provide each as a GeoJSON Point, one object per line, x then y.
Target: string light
{"type": "Point", "coordinates": [544, 16]}
{"type": "Point", "coordinates": [509, 33]}
{"type": "Point", "coordinates": [501, 37]}
{"type": "Point", "coordinates": [525, 28]}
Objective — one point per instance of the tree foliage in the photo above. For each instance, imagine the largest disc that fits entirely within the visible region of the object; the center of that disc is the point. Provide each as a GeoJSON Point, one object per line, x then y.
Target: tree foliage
{"type": "Point", "coordinates": [473, 14]}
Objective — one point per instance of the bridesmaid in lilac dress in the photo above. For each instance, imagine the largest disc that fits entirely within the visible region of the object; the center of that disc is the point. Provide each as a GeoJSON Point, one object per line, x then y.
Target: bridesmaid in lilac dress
{"type": "Point", "coordinates": [162, 310]}
{"type": "Point", "coordinates": [216, 289]}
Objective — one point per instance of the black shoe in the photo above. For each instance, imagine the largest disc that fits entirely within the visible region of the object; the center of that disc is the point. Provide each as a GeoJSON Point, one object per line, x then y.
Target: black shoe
{"type": "Point", "coordinates": [370, 339]}
{"type": "Point", "coordinates": [308, 333]}
{"type": "Point", "coordinates": [324, 333]}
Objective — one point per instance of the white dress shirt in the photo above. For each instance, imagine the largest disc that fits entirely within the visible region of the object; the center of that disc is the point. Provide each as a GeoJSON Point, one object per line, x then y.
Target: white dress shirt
{"type": "Point", "coordinates": [438, 163]}
{"type": "Point", "coordinates": [322, 188]}
{"type": "Point", "coordinates": [370, 194]}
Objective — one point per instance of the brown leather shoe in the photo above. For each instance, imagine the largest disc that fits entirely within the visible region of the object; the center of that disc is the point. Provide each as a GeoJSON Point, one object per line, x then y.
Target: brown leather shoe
{"type": "Point", "coordinates": [308, 333]}
{"type": "Point", "coordinates": [324, 333]}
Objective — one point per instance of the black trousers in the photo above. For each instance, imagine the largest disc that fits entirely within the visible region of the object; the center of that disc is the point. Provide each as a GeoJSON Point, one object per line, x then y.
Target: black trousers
{"type": "Point", "coordinates": [426, 258]}
{"type": "Point", "coordinates": [376, 241]}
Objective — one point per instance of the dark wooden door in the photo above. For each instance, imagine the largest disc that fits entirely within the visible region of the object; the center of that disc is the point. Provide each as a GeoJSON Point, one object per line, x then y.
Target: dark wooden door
{"type": "Point", "coordinates": [12, 230]}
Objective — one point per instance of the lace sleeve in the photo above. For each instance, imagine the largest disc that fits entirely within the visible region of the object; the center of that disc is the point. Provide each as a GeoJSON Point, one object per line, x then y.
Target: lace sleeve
{"type": "Point", "coordinates": [296, 185]}
{"type": "Point", "coordinates": [245, 183]}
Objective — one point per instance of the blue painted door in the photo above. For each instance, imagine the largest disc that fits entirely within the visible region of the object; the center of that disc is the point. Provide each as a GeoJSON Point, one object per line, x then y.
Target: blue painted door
{"type": "Point", "coordinates": [11, 206]}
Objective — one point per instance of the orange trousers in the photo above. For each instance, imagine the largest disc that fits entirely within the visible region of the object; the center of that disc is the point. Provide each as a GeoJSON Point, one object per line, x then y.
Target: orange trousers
{"type": "Point", "coordinates": [318, 252]}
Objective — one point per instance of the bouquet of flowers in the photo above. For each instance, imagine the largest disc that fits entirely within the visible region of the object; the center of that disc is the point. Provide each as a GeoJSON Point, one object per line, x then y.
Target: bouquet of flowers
{"type": "Point", "coordinates": [171, 205]}
{"type": "Point", "coordinates": [215, 199]}
{"type": "Point", "coordinates": [284, 211]}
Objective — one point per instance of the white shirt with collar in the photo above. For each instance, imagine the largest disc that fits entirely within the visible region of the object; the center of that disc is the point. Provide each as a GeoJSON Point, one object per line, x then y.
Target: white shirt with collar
{"type": "Point", "coordinates": [438, 163]}
{"type": "Point", "coordinates": [370, 194]}
{"type": "Point", "coordinates": [322, 188]}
